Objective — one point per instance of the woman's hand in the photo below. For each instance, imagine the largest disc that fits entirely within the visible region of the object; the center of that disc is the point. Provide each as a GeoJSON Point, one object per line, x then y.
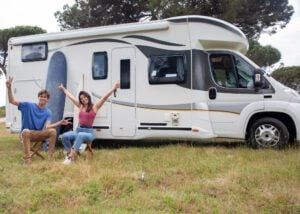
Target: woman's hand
{"type": "Point", "coordinates": [61, 87]}
{"type": "Point", "coordinates": [117, 85]}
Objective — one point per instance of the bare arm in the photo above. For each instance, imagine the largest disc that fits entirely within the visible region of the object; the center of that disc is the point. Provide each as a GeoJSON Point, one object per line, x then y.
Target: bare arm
{"type": "Point", "coordinates": [70, 96]}
{"type": "Point", "coordinates": [10, 95]}
{"type": "Point", "coordinates": [100, 103]}
{"type": "Point", "coordinates": [49, 125]}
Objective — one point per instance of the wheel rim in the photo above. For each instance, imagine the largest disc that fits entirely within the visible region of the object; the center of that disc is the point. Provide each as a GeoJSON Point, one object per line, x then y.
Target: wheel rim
{"type": "Point", "coordinates": [267, 135]}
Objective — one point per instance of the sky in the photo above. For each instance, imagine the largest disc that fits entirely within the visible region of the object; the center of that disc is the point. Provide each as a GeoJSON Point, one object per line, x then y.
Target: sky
{"type": "Point", "coordinates": [287, 40]}
{"type": "Point", "coordinates": [41, 13]}
{"type": "Point", "coordinates": [29, 12]}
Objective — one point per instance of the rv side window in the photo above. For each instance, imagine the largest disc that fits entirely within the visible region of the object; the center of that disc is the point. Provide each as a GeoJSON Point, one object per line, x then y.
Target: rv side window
{"type": "Point", "coordinates": [99, 67]}
{"type": "Point", "coordinates": [167, 69]}
{"type": "Point", "coordinates": [34, 52]}
{"type": "Point", "coordinates": [125, 74]}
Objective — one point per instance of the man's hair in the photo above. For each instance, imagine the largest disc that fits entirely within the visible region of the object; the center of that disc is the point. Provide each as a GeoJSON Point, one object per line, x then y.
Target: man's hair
{"type": "Point", "coordinates": [44, 91]}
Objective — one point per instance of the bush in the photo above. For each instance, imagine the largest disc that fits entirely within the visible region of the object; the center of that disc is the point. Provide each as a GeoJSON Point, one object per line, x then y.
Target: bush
{"type": "Point", "coordinates": [2, 111]}
{"type": "Point", "coordinates": [289, 76]}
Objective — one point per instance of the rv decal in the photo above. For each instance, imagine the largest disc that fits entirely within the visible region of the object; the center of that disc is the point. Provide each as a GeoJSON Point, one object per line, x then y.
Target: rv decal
{"type": "Point", "coordinates": [233, 108]}
{"type": "Point", "coordinates": [99, 40]}
{"type": "Point", "coordinates": [149, 39]}
{"type": "Point", "coordinates": [153, 124]}
{"type": "Point", "coordinates": [165, 128]}
{"type": "Point", "coordinates": [208, 21]}
{"type": "Point", "coordinates": [100, 127]}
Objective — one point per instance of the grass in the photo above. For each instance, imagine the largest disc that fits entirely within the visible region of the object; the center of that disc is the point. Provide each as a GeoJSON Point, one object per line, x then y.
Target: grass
{"type": "Point", "coordinates": [179, 178]}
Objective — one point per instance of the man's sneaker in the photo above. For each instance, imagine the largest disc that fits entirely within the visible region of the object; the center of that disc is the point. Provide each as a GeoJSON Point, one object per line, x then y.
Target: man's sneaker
{"type": "Point", "coordinates": [68, 160]}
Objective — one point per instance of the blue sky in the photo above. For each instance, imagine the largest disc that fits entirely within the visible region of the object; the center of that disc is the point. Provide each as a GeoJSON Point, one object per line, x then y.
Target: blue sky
{"type": "Point", "coordinates": [41, 13]}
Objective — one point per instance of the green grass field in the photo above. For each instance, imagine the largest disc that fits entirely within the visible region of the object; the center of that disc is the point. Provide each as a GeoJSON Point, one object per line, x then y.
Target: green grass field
{"type": "Point", "coordinates": [179, 178]}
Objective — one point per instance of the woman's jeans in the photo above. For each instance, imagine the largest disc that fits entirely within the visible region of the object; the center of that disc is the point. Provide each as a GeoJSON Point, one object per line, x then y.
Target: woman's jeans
{"type": "Point", "coordinates": [79, 136]}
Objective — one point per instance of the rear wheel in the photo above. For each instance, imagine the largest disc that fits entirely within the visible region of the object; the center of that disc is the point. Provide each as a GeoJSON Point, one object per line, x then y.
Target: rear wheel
{"type": "Point", "coordinates": [268, 133]}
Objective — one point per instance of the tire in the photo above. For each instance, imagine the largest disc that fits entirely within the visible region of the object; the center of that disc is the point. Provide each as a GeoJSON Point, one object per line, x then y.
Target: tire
{"type": "Point", "coordinates": [268, 132]}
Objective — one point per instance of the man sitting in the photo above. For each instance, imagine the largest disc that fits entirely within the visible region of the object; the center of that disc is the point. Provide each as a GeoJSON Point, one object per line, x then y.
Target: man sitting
{"type": "Point", "coordinates": [36, 121]}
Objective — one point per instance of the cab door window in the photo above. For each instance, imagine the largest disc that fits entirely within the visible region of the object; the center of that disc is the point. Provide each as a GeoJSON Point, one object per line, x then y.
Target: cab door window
{"type": "Point", "coordinates": [245, 73]}
{"type": "Point", "coordinates": [231, 71]}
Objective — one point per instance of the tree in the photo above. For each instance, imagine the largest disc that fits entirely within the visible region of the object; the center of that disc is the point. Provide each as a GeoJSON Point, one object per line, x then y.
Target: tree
{"type": "Point", "coordinates": [289, 76]}
{"type": "Point", "coordinates": [252, 17]}
{"type": "Point", "coordinates": [263, 56]}
{"type": "Point", "coordinates": [90, 13]}
{"type": "Point", "coordinates": [6, 34]}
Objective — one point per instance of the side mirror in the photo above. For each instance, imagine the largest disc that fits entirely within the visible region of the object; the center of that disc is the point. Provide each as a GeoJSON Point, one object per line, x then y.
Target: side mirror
{"type": "Point", "coordinates": [258, 78]}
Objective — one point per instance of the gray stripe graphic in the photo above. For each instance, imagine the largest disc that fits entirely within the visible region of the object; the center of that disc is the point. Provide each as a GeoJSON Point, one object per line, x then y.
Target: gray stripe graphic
{"type": "Point", "coordinates": [229, 107]}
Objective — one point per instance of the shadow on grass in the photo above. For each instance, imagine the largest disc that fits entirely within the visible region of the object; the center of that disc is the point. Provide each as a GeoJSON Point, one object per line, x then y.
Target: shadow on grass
{"type": "Point", "coordinates": [223, 143]}
{"type": "Point", "coordinates": [116, 144]}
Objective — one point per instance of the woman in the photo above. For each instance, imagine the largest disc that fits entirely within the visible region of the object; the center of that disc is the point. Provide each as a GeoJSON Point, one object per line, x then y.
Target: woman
{"type": "Point", "coordinates": [87, 114]}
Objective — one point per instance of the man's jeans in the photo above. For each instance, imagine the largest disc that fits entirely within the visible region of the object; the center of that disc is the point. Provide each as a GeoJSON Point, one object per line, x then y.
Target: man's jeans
{"type": "Point", "coordinates": [29, 136]}
{"type": "Point", "coordinates": [79, 136]}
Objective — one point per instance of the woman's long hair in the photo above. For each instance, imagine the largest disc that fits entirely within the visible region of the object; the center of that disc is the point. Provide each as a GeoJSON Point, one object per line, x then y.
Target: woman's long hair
{"type": "Point", "coordinates": [90, 104]}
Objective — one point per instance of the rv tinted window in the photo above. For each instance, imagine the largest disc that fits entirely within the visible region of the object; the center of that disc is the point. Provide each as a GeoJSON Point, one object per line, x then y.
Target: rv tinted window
{"type": "Point", "coordinates": [99, 68]}
{"type": "Point", "coordinates": [167, 69]}
{"type": "Point", "coordinates": [125, 73]}
{"type": "Point", "coordinates": [34, 52]}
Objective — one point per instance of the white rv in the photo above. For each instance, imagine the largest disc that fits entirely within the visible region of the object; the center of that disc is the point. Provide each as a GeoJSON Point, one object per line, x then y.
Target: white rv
{"type": "Point", "coordinates": [182, 78]}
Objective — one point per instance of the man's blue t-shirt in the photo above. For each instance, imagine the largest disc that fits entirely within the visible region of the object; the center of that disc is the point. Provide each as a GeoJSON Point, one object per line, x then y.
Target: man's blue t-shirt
{"type": "Point", "coordinates": [33, 117]}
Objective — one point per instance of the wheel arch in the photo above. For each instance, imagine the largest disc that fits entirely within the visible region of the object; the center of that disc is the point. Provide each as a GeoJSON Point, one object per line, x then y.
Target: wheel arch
{"type": "Point", "coordinates": [283, 117]}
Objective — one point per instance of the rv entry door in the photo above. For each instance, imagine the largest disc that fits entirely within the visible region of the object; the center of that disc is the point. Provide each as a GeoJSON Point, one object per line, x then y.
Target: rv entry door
{"type": "Point", "coordinates": [123, 106]}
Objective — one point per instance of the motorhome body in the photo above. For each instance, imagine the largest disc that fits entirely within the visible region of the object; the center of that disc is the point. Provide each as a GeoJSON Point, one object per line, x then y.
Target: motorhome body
{"type": "Point", "coordinates": [183, 77]}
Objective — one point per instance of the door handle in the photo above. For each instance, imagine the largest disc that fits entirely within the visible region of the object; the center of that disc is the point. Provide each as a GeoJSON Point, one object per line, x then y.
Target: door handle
{"type": "Point", "coordinates": [115, 93]}
{"type": "Point", "coordinates": [267, 96]}
{"type": "Point", "coordinates": [212, 93]}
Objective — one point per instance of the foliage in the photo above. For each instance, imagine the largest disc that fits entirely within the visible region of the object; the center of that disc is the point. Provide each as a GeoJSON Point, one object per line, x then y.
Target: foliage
{"type": "Point", "coordinates": [179, 178]}
{"type": "Point", "coordinates": [90, 13]}
{"type": "Point", "coordinates": [289, 76]}
{"type": "Point", "coordinates": [2, 111]}
{"type": "Point", "coordinates": [263, 55]}
{"type": "Point", "coordinates": [252, 17]}
{"type": "Point", "coordinates": [6, 34]}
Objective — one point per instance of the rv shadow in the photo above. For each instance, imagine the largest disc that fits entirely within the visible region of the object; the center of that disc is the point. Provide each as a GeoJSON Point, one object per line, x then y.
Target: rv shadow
{"type": "Point", "coordinates": [116, 144]}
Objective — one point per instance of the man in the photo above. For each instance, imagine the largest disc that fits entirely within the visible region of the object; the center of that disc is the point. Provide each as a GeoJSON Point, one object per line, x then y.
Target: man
{"type": "Point", "coordinates": [36, 121]}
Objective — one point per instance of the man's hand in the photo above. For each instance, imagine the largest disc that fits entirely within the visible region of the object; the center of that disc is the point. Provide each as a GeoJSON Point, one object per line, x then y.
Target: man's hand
{"type": "Point", "coordinates": [9, 82]}
{"type": "Point", "coordinates": [65, 122]}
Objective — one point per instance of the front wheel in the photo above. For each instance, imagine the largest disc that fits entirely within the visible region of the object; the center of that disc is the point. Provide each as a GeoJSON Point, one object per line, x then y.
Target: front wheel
{"type": "Point", "coordinates": [268, 133]}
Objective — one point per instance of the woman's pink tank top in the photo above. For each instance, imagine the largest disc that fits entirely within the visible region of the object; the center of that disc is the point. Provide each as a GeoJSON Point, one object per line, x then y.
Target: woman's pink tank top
{"type": "Point", "coordinates": [86, 118]}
